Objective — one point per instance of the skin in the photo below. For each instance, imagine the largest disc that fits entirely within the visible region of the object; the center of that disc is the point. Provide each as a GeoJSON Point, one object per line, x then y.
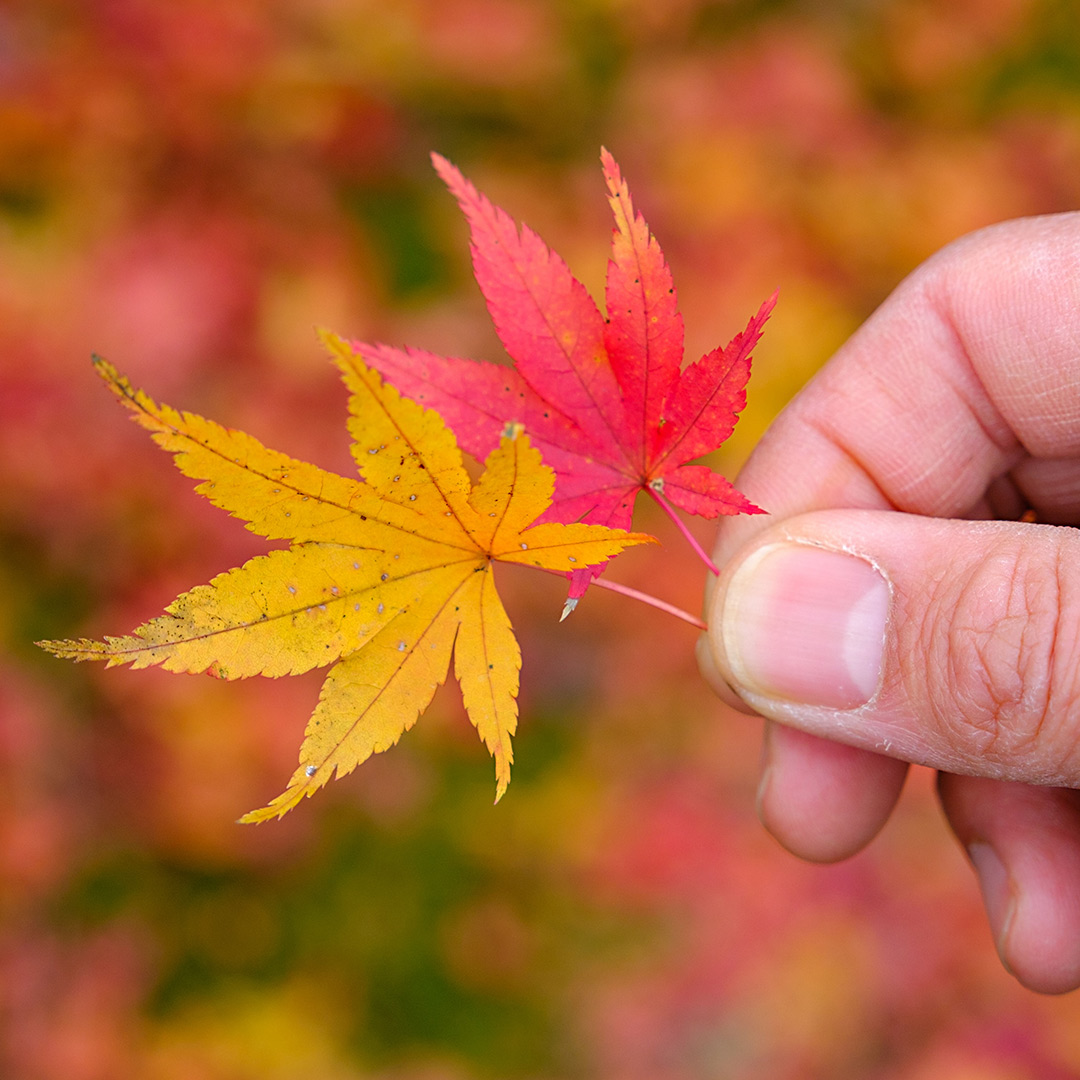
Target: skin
{"type": "Point", "coordinates": [956, 404]}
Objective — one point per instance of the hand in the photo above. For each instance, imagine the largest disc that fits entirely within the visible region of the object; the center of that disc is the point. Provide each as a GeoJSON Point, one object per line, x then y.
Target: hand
{"type": "Point", "coordinates": [892, 607]}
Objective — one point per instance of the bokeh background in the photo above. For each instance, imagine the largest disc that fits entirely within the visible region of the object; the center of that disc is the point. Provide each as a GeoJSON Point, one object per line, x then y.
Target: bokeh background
{"type": "Point", "coordinates": [189, 188]}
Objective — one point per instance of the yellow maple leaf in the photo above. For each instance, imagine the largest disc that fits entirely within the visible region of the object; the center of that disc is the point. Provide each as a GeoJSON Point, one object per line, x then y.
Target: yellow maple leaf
{"type": "Point", "coordinates": [384, 579]}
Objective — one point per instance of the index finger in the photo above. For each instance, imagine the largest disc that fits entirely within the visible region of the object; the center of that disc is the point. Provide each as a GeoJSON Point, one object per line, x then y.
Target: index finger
{"type": "Point", "coordinates": [971, 366]}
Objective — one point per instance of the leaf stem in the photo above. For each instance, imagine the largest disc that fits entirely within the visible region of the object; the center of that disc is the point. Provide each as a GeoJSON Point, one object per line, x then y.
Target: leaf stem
{"type": "Point", "coordinates": [652, 601]}
{"type": "Point", "coordinates": [681, 526]}
{"type": "Point", "coordinates": [633, 594]}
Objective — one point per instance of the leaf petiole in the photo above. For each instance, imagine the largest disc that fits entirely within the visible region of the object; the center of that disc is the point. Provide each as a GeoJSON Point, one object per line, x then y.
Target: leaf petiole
{"type": "Point", "coordinates": [652, 601]}
{"type": "Point", "coordinates": [681, 526]}
{"type": "Point", "coordinates": [633, 594]}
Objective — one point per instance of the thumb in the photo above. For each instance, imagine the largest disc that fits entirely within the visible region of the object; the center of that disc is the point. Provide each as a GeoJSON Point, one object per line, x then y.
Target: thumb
{"type": "Point", "coordinates": [955, 644]}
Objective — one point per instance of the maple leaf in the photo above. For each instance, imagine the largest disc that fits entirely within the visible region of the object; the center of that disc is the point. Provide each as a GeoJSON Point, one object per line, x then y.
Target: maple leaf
{"type": "Point", "coordinates": [384, 579]}
{"type": "Point", "coordinates": [605, 399]}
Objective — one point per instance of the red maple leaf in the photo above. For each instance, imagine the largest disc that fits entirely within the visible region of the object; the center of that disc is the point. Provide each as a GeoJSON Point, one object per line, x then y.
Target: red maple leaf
{"type": "Point", "coordinates": [606, 400]}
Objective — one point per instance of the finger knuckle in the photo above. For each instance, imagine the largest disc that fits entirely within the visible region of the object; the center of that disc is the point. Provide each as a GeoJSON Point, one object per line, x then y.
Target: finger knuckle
{"type": "Point", "coordinates": [1011, 660]}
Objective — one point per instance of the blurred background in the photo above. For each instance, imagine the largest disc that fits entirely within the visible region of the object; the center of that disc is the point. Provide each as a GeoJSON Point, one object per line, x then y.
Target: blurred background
{"type": "Point", "coordinates": [188, 189]}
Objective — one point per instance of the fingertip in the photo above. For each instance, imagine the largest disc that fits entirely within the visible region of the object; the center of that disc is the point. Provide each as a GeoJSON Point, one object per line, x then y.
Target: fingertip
{"type": "Point", "coordinates": [1024, 844]}
{"type": "Point", "coordinates": [824, 801]}
{"type": "Point", "coordinates": [1039, 946]}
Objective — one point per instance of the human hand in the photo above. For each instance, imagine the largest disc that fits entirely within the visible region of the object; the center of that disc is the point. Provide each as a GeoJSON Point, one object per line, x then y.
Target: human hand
{"type": "Point", "coordinates": [892, 608]}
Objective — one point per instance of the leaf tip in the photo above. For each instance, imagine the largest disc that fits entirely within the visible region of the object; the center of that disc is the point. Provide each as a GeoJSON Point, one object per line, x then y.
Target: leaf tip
{"type": "Point", "coordinates": [276, 809]}
{"type": "Point", "coordinates": [107, 371]}
{"type": "Point", "coordinates": [62, 649]}
{"type": "Point", "coordinates": [329, 340]}
{"type": "Point", "coordinates": [75, 649]}
{"type": "Point", "coordinates": [345, 354]}
{"type": "Point", "coordinates": [449, 173]}
{"type": "Point", "coordinates": [612, 174]}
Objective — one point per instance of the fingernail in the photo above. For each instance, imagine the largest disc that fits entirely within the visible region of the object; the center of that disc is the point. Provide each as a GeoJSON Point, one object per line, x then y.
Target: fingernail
{"type": "Point", "coordinates": [998, 897]}
{"type": "Point", "coordinates": [807, 625]}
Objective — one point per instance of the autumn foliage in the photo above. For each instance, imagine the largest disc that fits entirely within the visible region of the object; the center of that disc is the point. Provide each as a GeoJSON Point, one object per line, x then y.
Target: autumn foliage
{"type": "Point", "coordinates": [384, 578]}
{"type": "Point", "coordinates": [381, 578]}
{"type": "Point", "coordinates": [188, 189]}
{"type": "Point", "coordinates": [604, 396]}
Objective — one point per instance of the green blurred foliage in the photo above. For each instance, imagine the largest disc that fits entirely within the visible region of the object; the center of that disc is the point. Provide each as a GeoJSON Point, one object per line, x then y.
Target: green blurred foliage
{"type": "Point", "coordinates": [188, 189]}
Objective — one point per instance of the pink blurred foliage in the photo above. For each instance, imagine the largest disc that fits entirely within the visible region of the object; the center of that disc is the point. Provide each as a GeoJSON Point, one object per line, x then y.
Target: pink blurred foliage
{"type": "Point", "coordinates": [69, 1008]}
{"type": "Point", "coordinates": [174, 292]}
{"type": "Point", "coordinates": [186, 757]}
{"type": "Point", "coordinates": [490, 41]}
{"type": "Point", "coordinates": [201, 46]}
{"type": "Point", "coordinates": [774, 969]}
{"type": "Point", "coordinates": [175, 184]}
{"type": "Point", "coordinates": [40, 826]}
